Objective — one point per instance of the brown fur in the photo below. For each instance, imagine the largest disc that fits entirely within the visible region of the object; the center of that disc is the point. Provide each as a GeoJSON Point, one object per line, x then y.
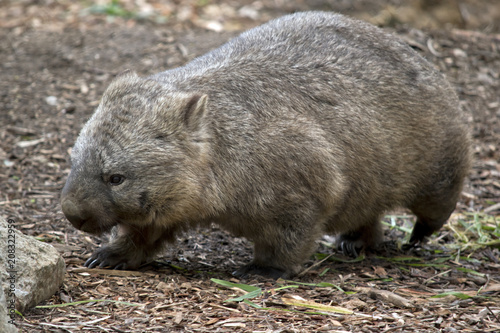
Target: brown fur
{"type": "Point", "coordinates": [310, 124]}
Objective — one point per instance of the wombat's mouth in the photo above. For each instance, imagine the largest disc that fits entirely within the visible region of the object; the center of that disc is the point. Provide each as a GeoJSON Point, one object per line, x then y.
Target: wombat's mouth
{"type": "Point", "coordinates": [92, 226]}
{"type": "Point", "coordinates": [95, 228]}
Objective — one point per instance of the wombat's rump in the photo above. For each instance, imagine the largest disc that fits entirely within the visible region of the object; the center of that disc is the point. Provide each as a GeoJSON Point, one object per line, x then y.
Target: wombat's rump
{"type": "Point", "coordinates": [312, 123]}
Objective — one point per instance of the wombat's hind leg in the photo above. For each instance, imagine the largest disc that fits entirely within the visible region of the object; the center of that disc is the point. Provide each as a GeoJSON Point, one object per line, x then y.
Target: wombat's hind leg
{"type": "Point", "coordinates": [279, 260]}
{"type": "Point", "coordinates": [281, 251]}
{"type": "Point", "coordinates": [368, 236]}
{"type": "Point", "coordinates": [348, 247]}
{"type": "Point", "coordinates": [434, 207]}
{"type": "Point", "coordinates": [431, 215]}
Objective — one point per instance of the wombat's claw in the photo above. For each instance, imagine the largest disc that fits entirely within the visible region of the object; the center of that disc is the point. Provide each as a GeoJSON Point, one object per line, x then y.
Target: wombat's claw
{"type": "Point", "coordinates": [91, 262]}
{"type": "Point", "coordinates": [103, 258]}
{"type": "Point", "coordinates": [414, 242]}
{"type": "Point", "coordinates": [348, 248]}
{"type": "Point", "coordinates": [120, 267]}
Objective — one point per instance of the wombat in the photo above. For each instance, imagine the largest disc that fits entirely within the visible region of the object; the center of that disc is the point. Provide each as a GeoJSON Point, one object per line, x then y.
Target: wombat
{"type": "Point", "coordinates": [311, 124]}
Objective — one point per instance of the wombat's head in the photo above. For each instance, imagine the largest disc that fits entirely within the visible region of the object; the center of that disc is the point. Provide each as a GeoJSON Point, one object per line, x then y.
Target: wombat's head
{"type": "Point", "coordinates": [139, 158]}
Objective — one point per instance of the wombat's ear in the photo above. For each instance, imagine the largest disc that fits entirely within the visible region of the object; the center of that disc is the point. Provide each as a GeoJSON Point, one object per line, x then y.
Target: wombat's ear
{"type": "Point", "coordinates": [194, 111]}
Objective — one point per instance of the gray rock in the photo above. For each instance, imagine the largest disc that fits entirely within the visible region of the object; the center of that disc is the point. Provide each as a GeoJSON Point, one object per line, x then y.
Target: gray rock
{"type": "Point", "coordinates": [5, 320]}
{"type": "Point", "coordinates": [31, 270]}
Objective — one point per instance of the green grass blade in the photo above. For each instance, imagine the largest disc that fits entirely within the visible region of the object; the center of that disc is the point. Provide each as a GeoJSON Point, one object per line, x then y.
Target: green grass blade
{"type": "Point", "coordinates": [241, 286]}
{"type": "Point", "coordinates": [320, 284]}
{"type": "Point", "coordinates": [252, 294]}
{"type": "Point", "coordinates": [452, 293]}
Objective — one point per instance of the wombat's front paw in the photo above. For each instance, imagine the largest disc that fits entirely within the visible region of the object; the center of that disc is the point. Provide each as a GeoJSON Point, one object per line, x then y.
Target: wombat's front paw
{"type": "Point", "coordinates": [265, 271]}
{"type": "Point", "coordinates": [107, 257]}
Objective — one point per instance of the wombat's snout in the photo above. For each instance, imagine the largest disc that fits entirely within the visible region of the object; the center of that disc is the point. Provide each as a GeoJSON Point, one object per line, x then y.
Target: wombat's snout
{"type": "Point", "coordinates": [73, 213]}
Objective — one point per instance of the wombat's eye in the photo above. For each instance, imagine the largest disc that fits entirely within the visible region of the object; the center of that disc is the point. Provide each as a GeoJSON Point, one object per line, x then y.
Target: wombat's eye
{"type": "Point", "coordinates": [116, 179]}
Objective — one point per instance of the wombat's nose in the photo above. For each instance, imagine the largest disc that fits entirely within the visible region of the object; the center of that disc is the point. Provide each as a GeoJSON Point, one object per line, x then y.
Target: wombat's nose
{"type": "Point", "coordinates": [72, 213]}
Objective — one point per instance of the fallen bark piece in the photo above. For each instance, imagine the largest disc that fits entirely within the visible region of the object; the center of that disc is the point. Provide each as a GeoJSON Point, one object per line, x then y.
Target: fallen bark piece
{"type": "Point", "coordinates": [390, 297]}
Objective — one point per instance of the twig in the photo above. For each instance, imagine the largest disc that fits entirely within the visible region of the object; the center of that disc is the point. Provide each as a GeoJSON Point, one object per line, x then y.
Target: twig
{"type": "Point", "coordinates": [432, 277]}
{"type": "Point", "coordinates": [475, 34]}
{"type": "Point", "coordinates": [492, 208]}
{"type": "Point", "coordinates": [223, 307]}
{"type": "Point", "coordinates": [492, 313]}
{"type": "Point", "coordinates": [314, 265]}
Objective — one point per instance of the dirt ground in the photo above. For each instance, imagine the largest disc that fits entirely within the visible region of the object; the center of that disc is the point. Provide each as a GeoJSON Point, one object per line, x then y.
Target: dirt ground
{"type": "Point", "coordinates": [58, 56]}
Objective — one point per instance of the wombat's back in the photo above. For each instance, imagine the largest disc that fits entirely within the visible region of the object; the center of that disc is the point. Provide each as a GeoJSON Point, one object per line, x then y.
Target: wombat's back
{"type": "Point", "coordinates": [322, 64]}
{"type": "Point", "coordinates": [391, 120]}
{"type": "Point", "coordinates": [332, 50]}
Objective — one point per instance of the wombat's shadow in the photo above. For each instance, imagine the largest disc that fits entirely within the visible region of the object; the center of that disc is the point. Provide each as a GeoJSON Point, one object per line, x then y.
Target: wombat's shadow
{"type": "Point", "coordinates": [205, 253]}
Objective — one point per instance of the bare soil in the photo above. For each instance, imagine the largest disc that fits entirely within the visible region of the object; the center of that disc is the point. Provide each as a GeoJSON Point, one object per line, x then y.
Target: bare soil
{"type": "Point", "coordinates": [56, 59]}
